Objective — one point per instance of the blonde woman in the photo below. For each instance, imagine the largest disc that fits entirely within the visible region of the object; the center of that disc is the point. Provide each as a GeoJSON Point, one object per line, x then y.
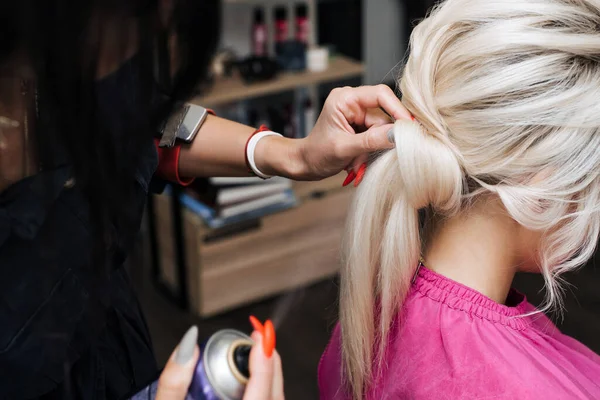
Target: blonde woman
{"type": "Point", "coordinates": [503, 163]}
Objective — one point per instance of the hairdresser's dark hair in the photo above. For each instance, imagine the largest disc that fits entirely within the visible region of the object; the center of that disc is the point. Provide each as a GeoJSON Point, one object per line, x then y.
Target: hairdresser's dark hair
{"type": "Point", "coordinates": [59, 38]}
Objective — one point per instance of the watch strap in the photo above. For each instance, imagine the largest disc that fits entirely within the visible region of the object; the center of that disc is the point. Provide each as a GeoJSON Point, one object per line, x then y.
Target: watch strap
{"type": "Point", "coordinates": [171, 126]}
{"type": "Point", "coordinates": [183, 124]}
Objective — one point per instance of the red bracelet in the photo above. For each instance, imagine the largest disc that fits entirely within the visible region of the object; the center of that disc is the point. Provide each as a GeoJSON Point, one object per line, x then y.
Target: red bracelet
{"type": "Point", "coordinates": [168, 162]}
{"type": "Point", "coordinates": [261, 129]}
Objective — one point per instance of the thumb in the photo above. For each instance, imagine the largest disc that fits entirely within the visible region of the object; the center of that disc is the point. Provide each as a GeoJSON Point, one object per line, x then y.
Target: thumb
{"type": "Point", "coordinates": [177, 376]}
{"type": "Point", "coordinates": [374, 139]}
{"type": "Point", "coordinates": [261, 372]}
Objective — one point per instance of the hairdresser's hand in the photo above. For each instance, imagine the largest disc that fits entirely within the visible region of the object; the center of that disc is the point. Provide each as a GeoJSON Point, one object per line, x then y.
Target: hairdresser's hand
{"type": "Point", "coordinates": [176, 378]}
{"type": "Point", "coordinates": [266, 377]}
{"type": "Point", "coordinates": [334, 145]}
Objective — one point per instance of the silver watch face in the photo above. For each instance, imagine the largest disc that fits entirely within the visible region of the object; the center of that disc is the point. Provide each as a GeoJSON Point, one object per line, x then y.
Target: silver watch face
{"type": "Point", "coordinates": [194, 117]}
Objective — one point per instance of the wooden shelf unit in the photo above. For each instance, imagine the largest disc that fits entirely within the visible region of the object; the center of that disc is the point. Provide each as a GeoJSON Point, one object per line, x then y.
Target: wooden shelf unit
{"type": "Point", "coordinates": [230, 90]}
{"type": "Point", "coordinates": [291, 248]}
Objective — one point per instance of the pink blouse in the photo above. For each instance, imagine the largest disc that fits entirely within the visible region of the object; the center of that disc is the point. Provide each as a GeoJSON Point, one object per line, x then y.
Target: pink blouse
{"type": "Point", "coordinates": [455, 343]}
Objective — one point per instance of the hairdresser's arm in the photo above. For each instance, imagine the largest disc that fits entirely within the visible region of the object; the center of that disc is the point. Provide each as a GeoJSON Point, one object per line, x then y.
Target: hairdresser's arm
{"type": "Point", "coordinates": [219, 146]}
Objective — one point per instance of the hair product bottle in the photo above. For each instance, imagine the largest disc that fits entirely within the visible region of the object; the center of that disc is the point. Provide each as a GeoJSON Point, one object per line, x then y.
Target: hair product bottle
{"type": "Point", "coordinates": [302, 25]}
{"type": "Point", "coordinates": [259, 34]}
{"type": "Point", "coordinates": [281, 25]}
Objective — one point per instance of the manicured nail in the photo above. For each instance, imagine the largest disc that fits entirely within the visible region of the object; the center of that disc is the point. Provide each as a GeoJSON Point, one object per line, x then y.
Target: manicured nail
{"type": "Point", "coordinates": [360, 174]}
{"type": "Point", "coordinates": [349, 178]}
{"type": "Point", "coordinates": [391, 137]}
{"type": "Point", "coordinates": [257, 325]}
{"type": "Point", "coordinates": [185, 352]}
{"type": "Point", "coordinates": [269, 339]}
{"type": "Point", "coordinates": [412, 117]}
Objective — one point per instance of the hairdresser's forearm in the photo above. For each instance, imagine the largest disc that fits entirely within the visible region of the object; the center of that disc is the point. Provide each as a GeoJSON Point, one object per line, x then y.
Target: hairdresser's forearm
{"type": "Point", "coordinates": [219, 150]}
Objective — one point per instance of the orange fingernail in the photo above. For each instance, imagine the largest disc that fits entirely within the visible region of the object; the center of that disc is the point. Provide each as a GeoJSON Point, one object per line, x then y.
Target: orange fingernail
{"type": "Point", "coordinates": [412, 117]}
{"type": "Point", "coordinates": [256, 325]}
{"type": "Point", "coordinates": [269, 339]}
{"type": "Point", "coordinates": [360, 174]}
{"type": "Point", "coordinates": [349, 178]}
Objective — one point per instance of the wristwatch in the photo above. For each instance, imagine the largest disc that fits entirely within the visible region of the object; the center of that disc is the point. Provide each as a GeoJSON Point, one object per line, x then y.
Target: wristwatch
{"type": "Point", "coordinates": [183, 124]}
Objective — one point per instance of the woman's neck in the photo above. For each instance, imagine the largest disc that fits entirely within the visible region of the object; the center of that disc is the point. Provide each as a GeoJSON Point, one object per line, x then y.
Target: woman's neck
{"type": "Point", "coordinates": [478, 249]}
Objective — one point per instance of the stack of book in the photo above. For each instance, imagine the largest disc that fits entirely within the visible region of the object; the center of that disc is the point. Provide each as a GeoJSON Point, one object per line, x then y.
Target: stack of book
{"type": "Point", "coordinates": [227, 201]}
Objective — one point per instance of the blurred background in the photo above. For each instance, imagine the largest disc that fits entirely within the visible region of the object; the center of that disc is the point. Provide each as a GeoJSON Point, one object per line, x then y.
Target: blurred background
{"type": "Point", "coordinates": [224, 249]}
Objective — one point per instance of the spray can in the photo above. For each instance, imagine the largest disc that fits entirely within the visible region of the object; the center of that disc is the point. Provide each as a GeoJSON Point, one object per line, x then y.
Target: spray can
{"type": "Point", "coordinates": [222, 371]}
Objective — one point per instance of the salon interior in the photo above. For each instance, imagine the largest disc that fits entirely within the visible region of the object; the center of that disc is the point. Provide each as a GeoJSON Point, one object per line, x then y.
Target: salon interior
{"type": "Point", "coordinates": [223, 249]}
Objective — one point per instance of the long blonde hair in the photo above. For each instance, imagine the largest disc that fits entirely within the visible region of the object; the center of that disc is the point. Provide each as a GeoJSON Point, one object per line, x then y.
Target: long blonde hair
{"type": "Point", "coordinates": [502, 90]}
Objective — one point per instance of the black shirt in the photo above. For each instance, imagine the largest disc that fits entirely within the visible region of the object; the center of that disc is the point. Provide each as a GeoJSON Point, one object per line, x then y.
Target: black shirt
{"type": "Point", "coordinates": [63, 333]}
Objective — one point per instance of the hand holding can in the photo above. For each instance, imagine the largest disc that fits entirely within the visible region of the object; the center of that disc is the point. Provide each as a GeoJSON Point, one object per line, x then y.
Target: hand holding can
{"type": "Point", "coordinates": [229, 366]}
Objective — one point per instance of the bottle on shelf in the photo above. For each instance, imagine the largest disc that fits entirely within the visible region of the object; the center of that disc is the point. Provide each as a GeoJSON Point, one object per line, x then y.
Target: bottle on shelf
{"type": "Point", "coordinates": [302, 25]}
{"type": "Point", "coordinates": [259, 34]}
{"type": "Point", "coordinates": [281, 25]}
{"type": "Point", "coordinates": [289, 52]}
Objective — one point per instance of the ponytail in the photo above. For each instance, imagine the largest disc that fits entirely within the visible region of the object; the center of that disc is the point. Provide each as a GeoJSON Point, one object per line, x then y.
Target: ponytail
{"type": "Point", "coordinates": [383, 242]}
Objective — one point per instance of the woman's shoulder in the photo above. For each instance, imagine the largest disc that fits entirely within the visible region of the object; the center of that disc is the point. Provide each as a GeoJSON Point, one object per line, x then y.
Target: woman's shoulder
{"type": "Point", "coordinates": [450, 339]}
{"type": "Point", "coordinates": [468, 358]}
{"type": "Point", "coordinates": [453, 340]}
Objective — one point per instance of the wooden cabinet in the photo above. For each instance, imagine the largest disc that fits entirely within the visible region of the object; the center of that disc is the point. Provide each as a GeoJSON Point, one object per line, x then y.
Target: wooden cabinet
{"type": "Point", "coordinates": [290, 249]}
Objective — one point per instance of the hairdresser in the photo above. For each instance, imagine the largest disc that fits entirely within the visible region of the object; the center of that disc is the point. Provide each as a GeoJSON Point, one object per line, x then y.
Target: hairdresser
{"type": "Point", "coordinates": [90, 93]}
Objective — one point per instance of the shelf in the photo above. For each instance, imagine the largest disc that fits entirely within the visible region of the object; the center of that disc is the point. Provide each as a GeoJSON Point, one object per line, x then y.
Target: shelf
{"type": "Point", "coordinates": [229, 90]}
{"type": "Point", "coordinates": [290, 249]}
